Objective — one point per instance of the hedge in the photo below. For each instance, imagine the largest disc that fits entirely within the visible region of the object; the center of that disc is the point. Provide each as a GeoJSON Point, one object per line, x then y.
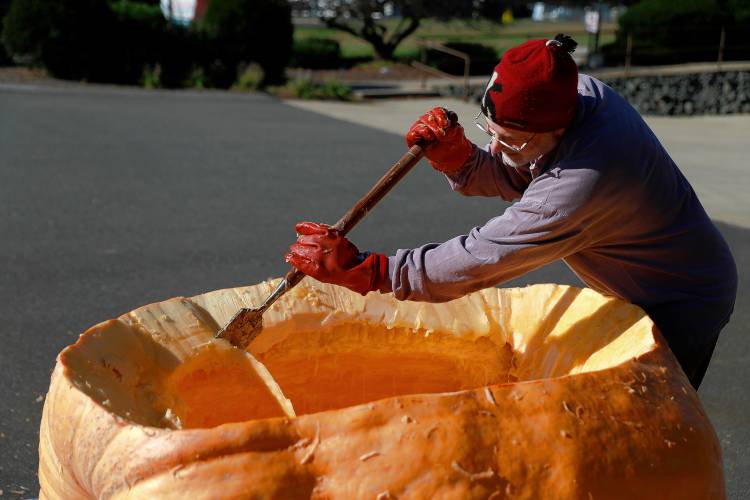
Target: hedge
{"type": "Point", "coordinates": [316, 53]}
{"type": "Point", "coordinates": [668, 32]}
{"type": "Point", "coordinates": [127, 41]}
{"type": "Point", "coordinates": [483, 59]}
{"type": "Point", "coordinates": [250, 30]}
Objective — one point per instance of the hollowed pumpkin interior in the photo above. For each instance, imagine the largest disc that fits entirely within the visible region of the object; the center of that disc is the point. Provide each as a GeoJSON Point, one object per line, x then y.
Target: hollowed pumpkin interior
{"type": "Point", "coordinates": [329, 369]}
{"type": "Point", "coordinates": [142, 377]}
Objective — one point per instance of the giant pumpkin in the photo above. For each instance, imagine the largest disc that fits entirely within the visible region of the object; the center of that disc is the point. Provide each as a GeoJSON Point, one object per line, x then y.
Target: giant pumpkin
{"type": "Point", "coordinates": [540, 392]}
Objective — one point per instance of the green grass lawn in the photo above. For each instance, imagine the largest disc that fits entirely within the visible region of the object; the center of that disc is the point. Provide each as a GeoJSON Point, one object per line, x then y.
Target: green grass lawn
{"type": "Point", "coordinates": [500, 37]}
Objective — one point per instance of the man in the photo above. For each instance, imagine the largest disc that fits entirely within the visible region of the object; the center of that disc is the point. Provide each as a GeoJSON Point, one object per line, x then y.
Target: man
{"type": "Point", "coordinates": [594, 187]}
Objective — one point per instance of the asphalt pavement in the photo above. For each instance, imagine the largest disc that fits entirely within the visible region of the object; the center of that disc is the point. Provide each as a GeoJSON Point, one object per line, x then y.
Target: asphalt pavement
{"type": "Point", "coordinates": [112, 198]}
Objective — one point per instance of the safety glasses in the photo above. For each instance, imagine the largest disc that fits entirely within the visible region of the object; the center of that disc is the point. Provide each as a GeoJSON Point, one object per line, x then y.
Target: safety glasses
{"type": "Point", "coordinates": [494, 137]}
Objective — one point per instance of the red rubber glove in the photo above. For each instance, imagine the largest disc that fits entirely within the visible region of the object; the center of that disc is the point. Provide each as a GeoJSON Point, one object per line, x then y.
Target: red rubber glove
{"type": "Point", "coordinates": [321, 252]}
{"type": "Point", "coordinates": [448, 148]}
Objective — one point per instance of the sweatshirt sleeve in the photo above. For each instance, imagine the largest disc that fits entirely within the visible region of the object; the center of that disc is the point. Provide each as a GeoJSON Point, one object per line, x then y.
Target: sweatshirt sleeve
{"type": "Point", "coordinates": [527, 236]}
{"type": "Point", "coordinates": [483, 175]}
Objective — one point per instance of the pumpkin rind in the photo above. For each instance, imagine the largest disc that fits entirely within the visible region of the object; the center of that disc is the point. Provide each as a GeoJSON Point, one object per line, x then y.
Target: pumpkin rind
{"type": "Point", "coordinates": [604, 416]}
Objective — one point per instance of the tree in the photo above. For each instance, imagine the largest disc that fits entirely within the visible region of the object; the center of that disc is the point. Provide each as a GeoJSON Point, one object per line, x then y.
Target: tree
{"type": "Point", "coordinates": [362, 18]}
{"type": "Point", "coordinates": [67, 37]}
{"type": "Point", "coordinates": [88, 40]}
{"type": "Point", "coordinates": [668, 32]}
{"type": "Point", "coordinates": [244, 31]}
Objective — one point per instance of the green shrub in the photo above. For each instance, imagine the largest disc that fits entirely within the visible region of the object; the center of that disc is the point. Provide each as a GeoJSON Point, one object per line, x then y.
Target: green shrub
{"type": "Point", "coordinates": [335, 90]}
{"type": "Point", "coordinates": [316, 53]}
{"type": "Point", "coordinates": [302, 89]}
{"type": "Point", "coordinates": [4, 57]}
{"type": "Point", "coordinates": [668, 32]}
{"type": "Point", "coordinates": [483, 59]}
{"type": "Point", "coordinates": [739, 10]}
{"type": "Point", "coordinates": [125, 41]}
{"type": "Point", "coordinates": [151, 78]}
{"type": "Point", "coordinates": [243, 31]}
{"type": "Point", "coordinates": [68, 37]}
{"type": "Point", "coordinates": [85, 39]}
{"type": "Point", "coordinates": [251, 78]}
{"type": "Point", "coordinates": [179, 52]}
{"type": "Point", "coordinates": [306, 89]}
{"type": "Point", "coordinates": [137, 39]}
{"type": "Point", "coordinates": [196, 78]}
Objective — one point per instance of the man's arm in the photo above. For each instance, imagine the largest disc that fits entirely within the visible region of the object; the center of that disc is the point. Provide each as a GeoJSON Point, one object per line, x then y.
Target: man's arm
{"type": "Point", "coordinates": [470, 170]}
{"type": "Point", "coordinates": [527, 236]}
{"type": "Point", "coordinates": [484, 175]}
{"type": "Point", "coordinates": [558, 215]}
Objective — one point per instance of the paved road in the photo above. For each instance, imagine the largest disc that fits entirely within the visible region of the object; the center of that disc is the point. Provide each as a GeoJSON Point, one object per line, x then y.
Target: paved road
{"type": "Point", "coordinates": [111, 198]}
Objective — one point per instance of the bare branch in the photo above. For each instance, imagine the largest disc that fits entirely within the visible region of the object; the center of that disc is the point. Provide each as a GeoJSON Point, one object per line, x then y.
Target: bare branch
{"type": "Point", "coordinates": [397, 38]}
{"type": "Point", "coordinates": [334, 23]}
{"type": "Point", "coordinates": [383, 40]}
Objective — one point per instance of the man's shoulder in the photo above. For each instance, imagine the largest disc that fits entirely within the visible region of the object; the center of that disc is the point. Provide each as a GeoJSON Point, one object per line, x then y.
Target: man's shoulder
{"type": "Point", "coordinates": [596, 95]}
{"type": "Point", "coordinates": [589, 85]}
{"type": "Point", "coordinates": [605, 125]}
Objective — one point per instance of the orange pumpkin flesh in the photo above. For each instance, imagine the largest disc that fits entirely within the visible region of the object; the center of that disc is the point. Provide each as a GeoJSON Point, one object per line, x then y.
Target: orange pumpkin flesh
{"type": "Point", "coordinates": [546, 391]}
{"type": "Point", "coordinates": [215, 386]}
{"type": "Point", "coordinates": [347, 365]}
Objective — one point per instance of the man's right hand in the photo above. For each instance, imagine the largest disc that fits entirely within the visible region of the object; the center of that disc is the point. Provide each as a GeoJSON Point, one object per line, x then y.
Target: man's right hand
{"type": "Point", "coordinates": [326, 255]}
{"type": "Point", "coordinates": [447, 148]}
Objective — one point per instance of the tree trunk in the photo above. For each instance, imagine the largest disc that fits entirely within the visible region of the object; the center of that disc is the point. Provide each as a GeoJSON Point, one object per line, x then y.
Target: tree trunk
{"type": "Point", "coordinates": [383, 51]}
{"type": "Point", "coordinates": [383, 45]}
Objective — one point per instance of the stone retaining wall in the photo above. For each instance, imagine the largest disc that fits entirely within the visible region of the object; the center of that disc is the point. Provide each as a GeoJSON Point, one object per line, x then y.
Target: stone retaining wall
{"type": "Point", "coordinates": [716, 93]}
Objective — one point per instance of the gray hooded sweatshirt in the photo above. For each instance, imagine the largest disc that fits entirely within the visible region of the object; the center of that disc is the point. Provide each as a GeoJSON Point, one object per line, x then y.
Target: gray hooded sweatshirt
{"type": "Point", "coordinates": [609, 201]}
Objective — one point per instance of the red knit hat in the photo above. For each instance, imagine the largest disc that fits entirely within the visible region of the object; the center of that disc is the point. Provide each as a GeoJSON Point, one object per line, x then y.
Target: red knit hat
{"type": "Point", "coordinates": [534, 87]}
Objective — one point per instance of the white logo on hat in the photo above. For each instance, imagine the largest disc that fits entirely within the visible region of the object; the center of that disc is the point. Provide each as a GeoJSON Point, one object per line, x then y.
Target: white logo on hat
{"type": "Point", "coordinates": [492, 81]}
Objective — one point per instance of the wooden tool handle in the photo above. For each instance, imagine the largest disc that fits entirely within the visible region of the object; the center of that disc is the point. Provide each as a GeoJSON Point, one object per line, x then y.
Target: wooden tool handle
{"type": "Point", "coordinates": [379, 190]}
{"type": "Point", "coordinates": [368, 201]}
{"type": "Point", "coordinates": [293, 276]}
